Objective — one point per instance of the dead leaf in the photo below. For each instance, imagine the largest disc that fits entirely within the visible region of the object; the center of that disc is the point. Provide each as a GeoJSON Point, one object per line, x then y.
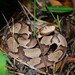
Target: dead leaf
{"type": "Point", "coordinates": [55, 3]}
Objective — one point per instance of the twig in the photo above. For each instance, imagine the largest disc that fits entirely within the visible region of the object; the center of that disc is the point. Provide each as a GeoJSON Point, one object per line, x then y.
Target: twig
{"type": "Point", "coordinates": [10, 62]}
{"type": "Point", "coordinates": [21, 61]}
{"type": "Point", "coordinates": [42, 55]}
{"type": "Point", "coordinates": [3, 27]}
{"type": "Point", "coordinates": [13, 41]}
{"type": "Point", "coordinates": [18, 73]}
{"type": "Point", "coordinates": [68, 32]}
{"type": "Point", "coordinates": [35, 17]}
{"type": "Point", "coordinates": [24, 11]}
{"type": "Point", "coordinates": [38, 3]}
{"type": "Point", "coordinates": [6, 21]}
{"type": "Point", "coordinates": [60, 73]}
{"type": "Point", "coordinates": [73, 1]}
{"type": "Point", "coordinates": [34, 26]}
{"type": "Point", "coordinates": [54, 68]}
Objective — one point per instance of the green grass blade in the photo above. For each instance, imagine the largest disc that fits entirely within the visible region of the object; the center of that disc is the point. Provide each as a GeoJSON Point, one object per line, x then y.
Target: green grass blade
{"type": "Point", "coordinates": [58, 25]}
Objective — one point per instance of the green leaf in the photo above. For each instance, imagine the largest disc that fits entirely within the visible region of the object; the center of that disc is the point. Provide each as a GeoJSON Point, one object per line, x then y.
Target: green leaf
{"type": "Point", "coordinates": [57, 22]}
{"type": "Point", "coordinates": [2, 59]}
{"type": "Point", "coordinates": [3, 69]}
{"type": "Point", "coordinates": [58, 9]}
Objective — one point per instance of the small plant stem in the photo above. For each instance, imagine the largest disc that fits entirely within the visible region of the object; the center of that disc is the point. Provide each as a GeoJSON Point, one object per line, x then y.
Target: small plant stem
{"type": "Point", "coordinates": [73, 1]}
{"type": "Point", "coordinates": [35, 17]}
{"type": "Point", "coordinates": [54, 68]}
{"type": "Point", "coordinates": [30, 66]}
{"type": "Point", "coordinates": [30, 4]}
{"type": "Point", "coordinates": [24, 11]}
{"type": "Point", "coordinates": [34, 26]}
{"type": "Point", "coordinates": [62, 66]}
{"type": "Point", "coordinates": [53, 16]}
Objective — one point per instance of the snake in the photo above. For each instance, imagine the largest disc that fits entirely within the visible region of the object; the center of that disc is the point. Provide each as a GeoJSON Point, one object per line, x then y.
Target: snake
{"type": "Point", "coordinates": [25, 46]}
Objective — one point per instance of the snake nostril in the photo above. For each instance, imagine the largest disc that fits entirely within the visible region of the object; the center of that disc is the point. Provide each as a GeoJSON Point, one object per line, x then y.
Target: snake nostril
{"type": "Point", "coordinates": [53, 47]}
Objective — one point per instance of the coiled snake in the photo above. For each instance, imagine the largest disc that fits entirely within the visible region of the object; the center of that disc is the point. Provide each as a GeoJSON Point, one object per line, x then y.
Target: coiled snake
{"type": "Point", "coordinates": [48, 44]}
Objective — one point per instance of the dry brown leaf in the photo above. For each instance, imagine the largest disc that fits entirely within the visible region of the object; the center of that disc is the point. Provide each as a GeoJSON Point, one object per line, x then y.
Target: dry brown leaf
{"type": "Point", "coordinates": [55, 3]}
{"type": "Point", "coordinates": [58, 65]}
{"type": "Point", "coordinates": [70, 59]}
{"type": "Point", "coordinates": [67, 3]}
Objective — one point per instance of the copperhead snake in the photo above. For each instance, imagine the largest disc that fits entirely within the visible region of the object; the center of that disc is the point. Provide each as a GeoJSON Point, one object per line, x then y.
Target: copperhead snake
{"type": "Point", "coordinates": [23, 45]}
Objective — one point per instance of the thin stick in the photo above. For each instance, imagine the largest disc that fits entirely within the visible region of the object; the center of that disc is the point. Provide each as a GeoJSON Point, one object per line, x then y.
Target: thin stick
{"type": "Point", "coordinates": [63, 64]}
{"type": "Point", "coordinates": [38, 3]}
{"type": "Point", "coordinates": [6, 20]}
{"type": "Point", "coordinates": [21, 61]}
{"type": "Point", "coordinates": [13, 41]}
{"type": "Point", "coordinates": [3, 28]}
{"type": "Point", "coordinates": [73, 1]}
{"type": "Point", "coordinates": [34, 26]}
{"type": "Point", "coordinates": [43, 55]}
{"type": "Point", "coordinates": [35, 17]}
{"type": "Point", "coordinates": [24, 11]}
